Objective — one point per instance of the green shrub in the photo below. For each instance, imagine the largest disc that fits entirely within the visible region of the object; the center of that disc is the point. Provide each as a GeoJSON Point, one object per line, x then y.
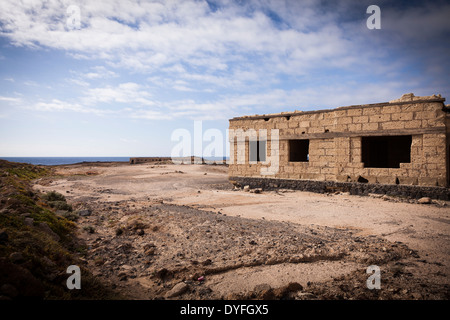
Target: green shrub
{"type": "Point", "coordinates": [89, 229]}
{"type": "Point", "coordinates": [54, 196]}
{"type": "Point", "coordinates": [60, 205]}
{"type": "Point", "coordinates": [69, 215]}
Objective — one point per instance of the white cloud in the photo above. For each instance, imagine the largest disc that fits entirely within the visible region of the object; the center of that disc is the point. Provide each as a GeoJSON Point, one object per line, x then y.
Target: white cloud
{"type": "Point", "coordinates": [125, 140]}
{"type": "Point", "coordinates": [78, 82]}
{"type": "Point", "coordinates": [10, 99]}
{"type": "Point", "coordinates": [134, 103]}
{"type": "Point", "coordinates": [243, 54]}
{"type": "Point", "coordinates": [100, 72]}
{"type": "Point", "coordinates": [128, 93]}
{"type": "Point", "coordinates": [30, 83]}
{"type": "Point", "coordinates": [147, 35]}
{"type": "Point", "coordinates": [56, 105]}
{"type": "Point", "coordinates": [97, 73]}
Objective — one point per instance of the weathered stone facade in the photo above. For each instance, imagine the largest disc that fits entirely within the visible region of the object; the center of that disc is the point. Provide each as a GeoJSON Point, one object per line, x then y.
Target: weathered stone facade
{"type": "Point", "coordinates": [404, 141]}
{"type": "Point", "coordinates": [138, 160]}
{"type": "Point", "coordinates": [176, 160]}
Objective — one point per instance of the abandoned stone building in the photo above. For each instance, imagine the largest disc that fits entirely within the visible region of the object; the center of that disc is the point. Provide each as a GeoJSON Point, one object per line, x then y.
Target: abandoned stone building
{"type": "Point", "coordinates": [400, 142]}
{"type": "Point", "coordinates": [138, 160]}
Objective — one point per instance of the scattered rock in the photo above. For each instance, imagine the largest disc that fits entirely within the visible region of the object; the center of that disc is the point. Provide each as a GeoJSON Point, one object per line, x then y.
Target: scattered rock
{"type": "Point", "coordinates": [177, 290]}
{"type": "Point", "coordinates": [44, 227]}
{"type": "Point", "coordinates": [149, 245]}
{"type": "Point", "coordinates": [149, 249]}
{"type": "Point", "coordinates": [294, 286]}
{"type": "Point", "coordinates": [89, 229]}
{"type": "Point", "coordinates": [246, 188]}
{"type": "Point", "coordinates": [263, 292]}
{"type": "Point", "coordinates": [305, 295]}
{"type": "Point", "coordinates": [262, 287]}
{"type": "Point", "coordinates": [3, 236]}
{"type": "Point", "coordinates": [417, 296]}
{"type": "Point", "coordinates": [22, 279]}
{"type": "Point", "coordinates": [99, 261]}
{"type": "Point", "coordinates": [28, 222]}
{"type": "Point", "coordinates": [122, 276]}
{"type": "Point", "coordinates": [119, 231]}
{"type": "Point", "coordinates": [16, 258]}
{"type": "Point", "coordinates": [207, 262]}
{"type": "Point", "coordinates": [9, 290]}
{"type": "Point", "coordinates": [84, 213]}
{"type": "Point", "coordinates": [375, 195]}
{"type": "Point", "coordinates": [161, 273]}
{"type": "Point", "coordinates": [128, 269]}
{"type": "Point", "coordinates": [424, 200]}
{"type": "Point", "coordinates": [204, 291]}
{"type": "Point", "coordinates": [137, 225]}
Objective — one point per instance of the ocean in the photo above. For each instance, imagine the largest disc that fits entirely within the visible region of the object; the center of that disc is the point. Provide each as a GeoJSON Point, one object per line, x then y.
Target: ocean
{"type": "Point", "coordinates": [49, 161]}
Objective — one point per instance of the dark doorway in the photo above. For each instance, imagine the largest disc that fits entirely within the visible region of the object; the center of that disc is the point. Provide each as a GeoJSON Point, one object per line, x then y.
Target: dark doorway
{"type": "Point", "coordinates": [298, 150]}
{"type": "Point", "coordinates": [386, 151]}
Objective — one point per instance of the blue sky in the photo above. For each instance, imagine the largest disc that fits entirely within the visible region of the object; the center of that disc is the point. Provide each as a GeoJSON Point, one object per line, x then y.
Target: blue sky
{"type": "Point", "coordinates": [135, 71]}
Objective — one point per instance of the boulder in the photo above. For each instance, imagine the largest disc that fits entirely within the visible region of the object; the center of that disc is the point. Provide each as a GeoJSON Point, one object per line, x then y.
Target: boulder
{"type": "Point", "coordinates": [263, 292]}
{"type": "Point", "coordinates": [16, 257]}
{"type": "Point", "coordinates": [9, 290]}
{"type": "Point", "coordinates": [3, 236]}
{"type": "Point", "coordinates": [177, 290]}
{"type": "Point", "coordinates": [424, 200]}
{"type": "Point", "coordinates": [28, 222]}
{"type": "Point", "coordinates": [84, 213]}
{"type": "Point", "coordinates": [21, 279]}
{"type": "Point", "coordinates": [44, 227]}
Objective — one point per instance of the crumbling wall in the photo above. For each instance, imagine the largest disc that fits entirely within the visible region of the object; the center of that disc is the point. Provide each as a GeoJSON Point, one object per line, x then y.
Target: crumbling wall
{"type": "Point", "coordinates": [335, 142]}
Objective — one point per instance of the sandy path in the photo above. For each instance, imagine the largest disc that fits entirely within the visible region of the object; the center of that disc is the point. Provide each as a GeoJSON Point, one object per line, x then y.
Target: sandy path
{"type": "Point", "coordinates": [424, 228]}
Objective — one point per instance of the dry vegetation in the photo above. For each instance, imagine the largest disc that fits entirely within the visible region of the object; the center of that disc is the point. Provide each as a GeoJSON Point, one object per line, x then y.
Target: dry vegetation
{"type": "Point", "coordinates": [36, 244]}
{"type": "Point", "coordinates": [134, 244]}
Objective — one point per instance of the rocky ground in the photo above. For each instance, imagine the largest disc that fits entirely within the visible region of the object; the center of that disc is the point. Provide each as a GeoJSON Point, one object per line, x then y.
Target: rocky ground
{"type": "Point", "coordinates": [180, 232]}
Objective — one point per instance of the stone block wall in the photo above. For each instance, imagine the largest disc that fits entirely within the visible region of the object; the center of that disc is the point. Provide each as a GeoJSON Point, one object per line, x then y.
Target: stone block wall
{"type": "Point", "coordinates": [337, 138]}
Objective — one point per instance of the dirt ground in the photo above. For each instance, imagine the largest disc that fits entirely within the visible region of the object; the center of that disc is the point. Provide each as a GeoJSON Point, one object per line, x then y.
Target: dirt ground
{"type": "Point", "coordinates": [165, 231]}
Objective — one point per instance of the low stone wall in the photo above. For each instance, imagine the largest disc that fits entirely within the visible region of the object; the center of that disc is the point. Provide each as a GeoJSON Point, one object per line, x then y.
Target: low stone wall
{"type": "Point", "coordinates": [137, 160]}
{"type": "Point", "coordinates": [337, 144]}
{"type": "Point", "coordinates": [354, 188]}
